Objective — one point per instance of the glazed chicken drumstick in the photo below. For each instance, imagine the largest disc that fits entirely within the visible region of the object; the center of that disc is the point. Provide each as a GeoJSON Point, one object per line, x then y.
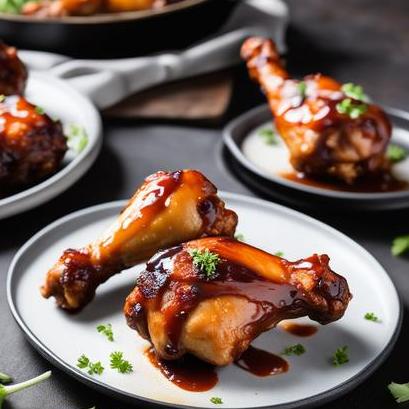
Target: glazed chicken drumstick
{"type": "Point", "coordinates": [211, 297]}
{"type": "Point", "coordinates": [169, 208]}
{"type": "Point", "coordinates": [329, 129]}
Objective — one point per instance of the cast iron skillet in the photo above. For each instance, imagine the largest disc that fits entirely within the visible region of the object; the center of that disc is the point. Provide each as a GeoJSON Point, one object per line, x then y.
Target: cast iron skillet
{"type": "Point", "coordinates": [114, 35]}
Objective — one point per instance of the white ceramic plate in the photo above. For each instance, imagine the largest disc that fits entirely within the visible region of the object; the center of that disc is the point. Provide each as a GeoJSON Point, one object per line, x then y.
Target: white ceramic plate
{"type": "Point", "coordinates": [62, 338]}
{"type": "Point", "coordinates": [270, 162]}
{"type": "Point", "coordinates": [61, 101]}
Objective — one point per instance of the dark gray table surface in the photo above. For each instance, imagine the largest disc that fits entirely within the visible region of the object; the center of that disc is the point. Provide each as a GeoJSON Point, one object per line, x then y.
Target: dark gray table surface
{"type": "Point", "coordinates": [365, 41]}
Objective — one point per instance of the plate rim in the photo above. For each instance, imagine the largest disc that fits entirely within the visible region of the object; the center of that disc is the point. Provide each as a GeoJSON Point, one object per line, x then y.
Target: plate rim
{"type": "Point", "coordinates": [235, 150]}
{"type": "Point", "coordinates": [308, 402]}
{"type": "Point", "coordinates": [69, 174]}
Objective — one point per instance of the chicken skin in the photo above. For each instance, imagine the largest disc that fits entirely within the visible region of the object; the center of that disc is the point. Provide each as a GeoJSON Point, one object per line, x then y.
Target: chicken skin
{"type": "Point", "coordinates": [13, 73]}
{"type": "Point", "coordinates": [330, 130]}
{"type": "Point", "coordinates": [169, 208]}
{"type": "Point", "coordinates": [32, 145]}
{"type": "Point", "coordinates": [212, 296]}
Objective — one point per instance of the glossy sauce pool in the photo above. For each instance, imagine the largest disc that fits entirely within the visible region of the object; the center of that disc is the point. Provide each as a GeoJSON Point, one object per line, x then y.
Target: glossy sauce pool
{"type": "Point", "coordinates": [189, 373]}
{"type": "Point", "coordinates": [300, 330]}
{"type": "Point", "coordinates": [385, 182]}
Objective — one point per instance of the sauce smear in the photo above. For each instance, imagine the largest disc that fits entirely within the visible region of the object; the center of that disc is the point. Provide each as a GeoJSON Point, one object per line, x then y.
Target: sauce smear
{"type": "Point", "coordinates": [189, 373]}
{"type": "Point", "coordinates": [262, 363]}
{"type": "Point", "coordinates": [384, 182]}
{"type": "Point", "coordinates": [301, 330]}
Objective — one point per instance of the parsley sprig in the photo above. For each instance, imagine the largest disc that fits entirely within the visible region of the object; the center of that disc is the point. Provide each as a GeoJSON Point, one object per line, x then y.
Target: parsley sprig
{"type": "Point", "coordinates": [396, 153]}
{"type": "Point", "coordinates": [205, 261]}
{"type": "Point", "coordinates": [354, 91]}
{"type": "Point", "coordinates": [400, 245]}
{"type": "Point", "coordinates": [296, 349]}
{"type": "Point", "coordinates": [352, 109]}
{"type": "Point", "coordinates": [10, 389]}
{"type": "Point", "coordinates": [106, 329]}
{"type": "Point", "coordinates": [340, 356]}
{"type": "Point", "coordinates": [4, 378]}
{"type": "Point", "coordinates": [400, 391]}
{"type": "Point", "coordinates": [216, 400]}
{"type": "Point", "coordinates": [120, 364]}
{"type": "Point", "coordinates": [269, 136]}
{"type": "Point", "coordinates": [94, 368]}
{"type": "Point", "coordinates": [370, 316]}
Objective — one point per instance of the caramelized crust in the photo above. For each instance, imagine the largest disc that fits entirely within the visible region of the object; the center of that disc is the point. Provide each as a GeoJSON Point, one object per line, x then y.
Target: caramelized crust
{"type": "Point", "coordinates": [13, 73]}
{"type": "Point", "coordinates": [169, 208]}
{"type": "Point", "coordinates": [32, 145]}
{"type": "Point", "coordinates": [321, 141]}
{"type": "Point", "coordinates": [180, 310]}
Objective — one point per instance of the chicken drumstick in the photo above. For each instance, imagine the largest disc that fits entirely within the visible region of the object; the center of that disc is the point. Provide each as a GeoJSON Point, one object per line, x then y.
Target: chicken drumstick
{"type": "Point", "coordinates": [211, 297]}
{"type": "Point", "coordinates": [330, 130]}
{"type": "Point", "coordinates": [168, 209]}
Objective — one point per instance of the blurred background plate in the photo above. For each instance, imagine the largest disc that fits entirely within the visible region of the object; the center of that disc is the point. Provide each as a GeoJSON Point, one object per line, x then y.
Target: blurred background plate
{"type": "Point", "coordinates": [115, 35]}
{"type": "Point", "coordinates": [260, 166]}
{"type": "Point", "coordinates": [60, 101]}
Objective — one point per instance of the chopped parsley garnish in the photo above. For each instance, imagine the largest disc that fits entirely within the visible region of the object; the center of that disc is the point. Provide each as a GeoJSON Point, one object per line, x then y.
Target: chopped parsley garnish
{"type": "Point", "coordinates": [370, 316]}
{"type": "Point", "coordinates": [396, 153]}
{"type": "Point", "coordinates": [400, 391]}
{"type": "Point", "coordinates": [205, 261]}
{"type": "Point", "coordinates": [117, 362]}
{"type": "Point", "coordinates": [4, 378]}
{"type": "Point", "coordinates": [93, 367]}
{"type": "Point", "coordinates": [302, 88]}
{"type": "Point", "coordinates": [106, 330]}
{"type": "Point", "coordinates": [279, 254]}
{"type": "Point", "coordinates": [352, 109]}
{"type": "Point", "coordinates": [9, 389]}
{"type": "Point", "coordinates": [239, 237]}
{"type": "Point", "coordinates": [296, 349]}
{"type": "Point", "coordinates": [2, 97]}
{"type": "Point", "coordinates": [216, 400]}
{"type": "Point", "coordinates": [39, 110]}
{"type": "Point", "coordinates": [77, 138]}
{"type": "Point", "coordinates": [354, 91]}
{"type": "Point", "coordinates": [340, 356]}
{"type": "Point", "coordinates": [269, 136]}
{"type": "Point", "coordinates": [400, 245]}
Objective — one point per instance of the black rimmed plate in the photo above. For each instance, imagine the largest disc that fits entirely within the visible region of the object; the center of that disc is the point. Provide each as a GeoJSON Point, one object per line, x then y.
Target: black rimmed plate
{"type": "Point", "coordinates": [264, 165]}
{"type": "Point", "coordinates": [311, 379]}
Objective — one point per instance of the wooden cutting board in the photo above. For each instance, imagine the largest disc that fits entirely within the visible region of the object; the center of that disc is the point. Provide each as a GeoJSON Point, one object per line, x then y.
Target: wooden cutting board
{"type": "Point", "coordinates": [201, 98]}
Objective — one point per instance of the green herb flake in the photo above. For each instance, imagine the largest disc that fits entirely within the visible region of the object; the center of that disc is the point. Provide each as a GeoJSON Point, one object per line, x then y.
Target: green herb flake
{"type": "Point", "coordinates": [239, 237]}
{"type": "Point", "coordinates": [370, 316]}
{"type": "Point", "coordinates": [354, 91]}
{"type": "Point", "coordinates": [10, 389]}
{"type": "Point", "coordinates": [39, 110]}
{"type": "Point", "coordinates": [279, 254]}
{"type": "Point", "coordinates": [2, 98]}
{"type": "Point", "coordinates": [216, 400]}
{"type": "Point", "coordinates": [77, 138]}
{"type": "Point", "coordinates": [340, 356]}
{"type": "Point", "coordinates": [120, 364]}
{"type": "Point", "coordinates": [400, 391]}
{"type": "Point", "coordinates": [269, 136]}
{"type": "Point", "coordinates": [93, 367]}
{"type": "Point", "coordinates": [351, 108]}
{"type": "Point", "coordinates": [400, 245]}
{"type": "Point", "coordinates": [205, 261]}
{"type": "Point", "coordinates": [106, 330]}
{"type": "Point", "coordinates": [302, 88]}
{"type": "Point", "coordinates": [296, 349]}
{"type": "Point", "coordinates": [396, 153]}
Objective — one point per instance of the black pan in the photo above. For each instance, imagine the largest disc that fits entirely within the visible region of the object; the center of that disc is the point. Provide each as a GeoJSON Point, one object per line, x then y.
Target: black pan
{"type": "Point", "coordinates": [117, 35]}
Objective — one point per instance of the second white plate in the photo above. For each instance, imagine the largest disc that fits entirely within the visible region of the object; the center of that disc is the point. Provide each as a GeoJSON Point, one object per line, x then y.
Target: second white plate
{"type": "Point", "coordinates": [312, 379]}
